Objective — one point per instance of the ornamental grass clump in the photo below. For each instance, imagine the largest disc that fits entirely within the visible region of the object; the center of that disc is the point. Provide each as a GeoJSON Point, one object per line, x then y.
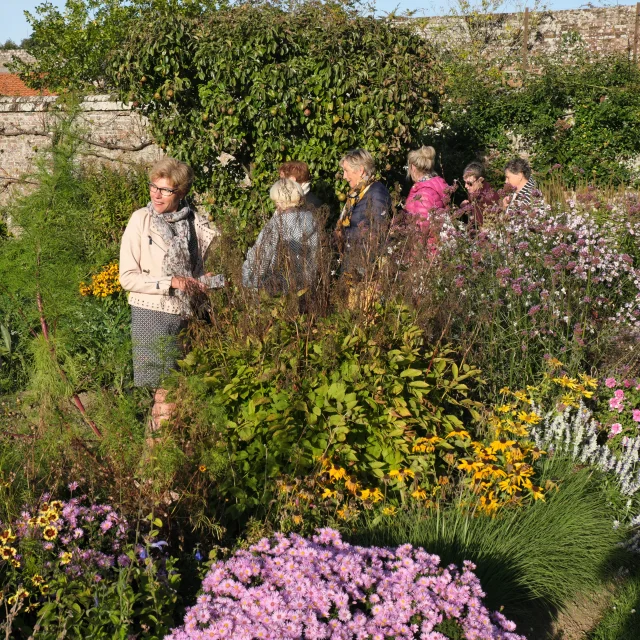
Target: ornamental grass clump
{"type": "Point", "coordinates": [291, 587]}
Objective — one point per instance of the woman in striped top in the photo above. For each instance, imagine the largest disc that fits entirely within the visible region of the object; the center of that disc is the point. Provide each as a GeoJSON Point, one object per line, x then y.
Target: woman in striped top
{"type": "Point", "coordinates": [517, 175]}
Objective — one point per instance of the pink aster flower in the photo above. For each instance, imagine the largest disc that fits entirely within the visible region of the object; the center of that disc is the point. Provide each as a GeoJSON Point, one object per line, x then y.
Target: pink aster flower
{"type": "Point", "coordinates": [610, 383]}
{"type": "Point", "coordinates": [106, 525]}
{"type": "Point", "coordinates": [299, 581]}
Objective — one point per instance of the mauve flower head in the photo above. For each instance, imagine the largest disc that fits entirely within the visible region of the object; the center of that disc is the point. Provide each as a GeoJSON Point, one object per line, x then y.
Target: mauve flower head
{"type": "Point", "coordinates": [610, 383]}
{"type": "Point", "coordinates": [290, 587]}
{"type": "Point", "coordinates": [124, 560]}
{"type": "Point", "coordinates": [106, 525]}
{"type": "Point", "coordinates": [82, 545]}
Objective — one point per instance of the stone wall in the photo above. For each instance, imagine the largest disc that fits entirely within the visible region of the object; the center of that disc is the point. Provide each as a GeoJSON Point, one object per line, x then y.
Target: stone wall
{"type": "Point", "coordinates": [603, 30]}
{"type": "Point", "coordinates": [9, 54]}
{"type": "Point", "coordinates": [108, 132]}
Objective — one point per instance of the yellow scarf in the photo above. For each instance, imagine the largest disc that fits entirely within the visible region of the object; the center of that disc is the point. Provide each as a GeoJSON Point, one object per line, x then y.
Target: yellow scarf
{"type": "Point", "coordinates": [353, 197]}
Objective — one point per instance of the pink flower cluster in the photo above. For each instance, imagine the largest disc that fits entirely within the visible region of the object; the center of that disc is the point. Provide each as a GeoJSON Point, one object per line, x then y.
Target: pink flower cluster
{"type": "Point", "coordinates": [617, 402]}
{"type": "Point", "coordinates": [626, 395]}
{"type": "Point", "coordinates": [569, 265]}
{"type": "Point", "coordinates": [294, 588]}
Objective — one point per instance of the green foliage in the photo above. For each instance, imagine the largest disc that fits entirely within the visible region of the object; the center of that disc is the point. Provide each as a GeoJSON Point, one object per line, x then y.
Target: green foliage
{"type": "Point", "coordinates": [266, 85]}
{"type": "Point", "coordinates": [110, 197]}
{"type": "Point", "coordinates": [451, 629]}
{"type": "Point", "coordinates": [358, 396]}
{"type": "Point", "coordinates": [12, 361]}
{"type": "Point", "coordinates": [68, 228]}
{"type": "Point", "coordinates": [620, 621]}
{"type": "Point", "coordinates": [134, 600]}
{"type": "Point", "coordinates": [9, 45]}
{"type": "Point", "coordinates": [541, 556]}
{"type": "Point", "coordinates": [71, 46]}
{"type": "Point", "coordinates": [85, 594]}
{"type": "Point", "coordinates": [584, 116]}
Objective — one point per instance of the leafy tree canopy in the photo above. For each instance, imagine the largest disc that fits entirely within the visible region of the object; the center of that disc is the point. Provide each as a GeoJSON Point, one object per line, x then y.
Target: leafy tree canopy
{"type": "Point", "coordinates": [72, 46]}
{"type": "Point", "coordinates": [8, 45]}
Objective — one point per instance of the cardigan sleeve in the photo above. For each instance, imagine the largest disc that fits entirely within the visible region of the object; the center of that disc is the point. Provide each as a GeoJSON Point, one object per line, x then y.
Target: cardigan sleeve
{"type": "Point", "coordinates": [261, 256]}
{"type": "Point", "coordinates": [132, 276]}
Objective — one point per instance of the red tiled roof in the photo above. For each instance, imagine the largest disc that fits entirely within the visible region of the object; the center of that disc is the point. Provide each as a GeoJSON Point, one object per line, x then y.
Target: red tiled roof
{"type": "Point", "coordinates": [11, 85]}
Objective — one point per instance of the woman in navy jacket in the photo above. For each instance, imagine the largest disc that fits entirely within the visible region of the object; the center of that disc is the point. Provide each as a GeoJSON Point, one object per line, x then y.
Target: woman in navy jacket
{"type": "Point", "coordinates": [365, 216]}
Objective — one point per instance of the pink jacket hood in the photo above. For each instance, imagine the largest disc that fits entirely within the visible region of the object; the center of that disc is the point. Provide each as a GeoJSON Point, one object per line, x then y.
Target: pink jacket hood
{"type": "Point", "coordinates": [425, 196]}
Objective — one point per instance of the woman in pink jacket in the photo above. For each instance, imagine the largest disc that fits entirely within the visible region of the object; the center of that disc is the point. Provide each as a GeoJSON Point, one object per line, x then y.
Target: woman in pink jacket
{"type": "Point", "coordinates": [429, 189]}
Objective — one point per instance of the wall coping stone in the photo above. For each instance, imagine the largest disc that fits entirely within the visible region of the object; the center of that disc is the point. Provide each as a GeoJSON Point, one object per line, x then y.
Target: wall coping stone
{"type": "Point", "coordinates": [43, 103]}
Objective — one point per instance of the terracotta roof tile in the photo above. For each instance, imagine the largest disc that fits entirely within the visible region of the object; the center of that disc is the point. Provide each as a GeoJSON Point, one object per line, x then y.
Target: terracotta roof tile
{"type": "Point", "coordinates": [11, 85]}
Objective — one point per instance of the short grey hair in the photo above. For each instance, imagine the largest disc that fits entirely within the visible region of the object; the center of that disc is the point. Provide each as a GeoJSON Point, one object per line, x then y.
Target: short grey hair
{"type": "Point", "coordinates": [360, 158]}
{"type": "Point", "coordinates": [475, 169]}
{"type": "Point", "coordinates": [286, 193]}
{"type": "Point", "coordinates": [519, 165]}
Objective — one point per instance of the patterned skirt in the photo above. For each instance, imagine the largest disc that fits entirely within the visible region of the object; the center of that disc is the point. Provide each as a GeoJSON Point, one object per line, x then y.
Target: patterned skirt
{"type": "Point", "coordinates": [156, 346]}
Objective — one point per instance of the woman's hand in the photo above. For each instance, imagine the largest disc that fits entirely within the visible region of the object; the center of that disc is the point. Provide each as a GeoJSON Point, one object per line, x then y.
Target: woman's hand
{"type": "Point", "coordinates": [189, 285]}
{"type": "Point", "coordinates": [505, 201]}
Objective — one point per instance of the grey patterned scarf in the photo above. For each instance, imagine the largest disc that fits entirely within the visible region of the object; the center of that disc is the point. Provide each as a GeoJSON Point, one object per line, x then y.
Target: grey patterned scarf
{"type": "Point", "coordinates": [178, 232]}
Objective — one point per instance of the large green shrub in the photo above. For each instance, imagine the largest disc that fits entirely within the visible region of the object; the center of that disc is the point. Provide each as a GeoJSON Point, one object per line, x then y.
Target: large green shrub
{"type": "Point", "coordinates": [237, 89]}
{"type": "Point", "coordinates": [358, 397]}
{"type": "Point", "coordinates": [582, 113]}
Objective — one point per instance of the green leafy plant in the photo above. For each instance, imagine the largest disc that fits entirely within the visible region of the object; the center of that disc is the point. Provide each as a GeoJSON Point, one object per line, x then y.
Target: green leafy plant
{"type": "Point", "coordinates": [239, 90]}
{"type": "Point", "coordinates": [359, 397]}
{"type": "Point", "coordinates": [558, 116]}
{"type": "Point", "coordinates": [69, 227]}
{"type": "Point", "coordinates": [71, 45]}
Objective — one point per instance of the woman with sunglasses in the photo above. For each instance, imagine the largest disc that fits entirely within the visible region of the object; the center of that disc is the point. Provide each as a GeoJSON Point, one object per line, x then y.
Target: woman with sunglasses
{"type": "Point", "coordinates": [482, 195]}
{"type": "Point", "coordinates": [162, 266]}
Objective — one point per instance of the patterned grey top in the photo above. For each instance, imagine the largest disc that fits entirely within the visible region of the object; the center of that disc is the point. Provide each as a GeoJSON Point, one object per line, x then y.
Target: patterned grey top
{"type": "Point", "coordinates": [285, 254]}
{"type": "Point", "coordinates": [526, 196]}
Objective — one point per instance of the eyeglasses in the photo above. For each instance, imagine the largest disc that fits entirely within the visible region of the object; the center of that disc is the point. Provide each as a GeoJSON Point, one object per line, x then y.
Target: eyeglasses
{"type": "Point", "coordinates": [469, 183]}
{"type": "Point", "coordinates": [164, 191]}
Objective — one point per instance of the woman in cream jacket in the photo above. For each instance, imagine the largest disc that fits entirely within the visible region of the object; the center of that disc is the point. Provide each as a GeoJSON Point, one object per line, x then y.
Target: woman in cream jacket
{"type": "Point", "coordinates": [161, 266]}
